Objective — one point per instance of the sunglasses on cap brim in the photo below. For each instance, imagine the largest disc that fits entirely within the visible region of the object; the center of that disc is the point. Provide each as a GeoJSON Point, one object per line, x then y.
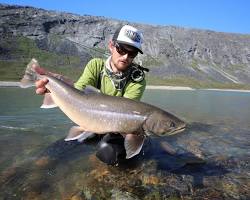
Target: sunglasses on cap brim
{"type": "Point", "coordinates": [122, 50]}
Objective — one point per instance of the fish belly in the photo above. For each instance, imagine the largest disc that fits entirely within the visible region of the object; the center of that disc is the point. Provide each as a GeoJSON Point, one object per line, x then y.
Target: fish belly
{"type": "Point", "coordinates": [94, 118]}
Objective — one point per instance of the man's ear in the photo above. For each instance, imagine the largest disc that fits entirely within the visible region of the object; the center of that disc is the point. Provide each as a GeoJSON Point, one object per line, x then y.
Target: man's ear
{"type": "Point", "coordinates": [111, 46]}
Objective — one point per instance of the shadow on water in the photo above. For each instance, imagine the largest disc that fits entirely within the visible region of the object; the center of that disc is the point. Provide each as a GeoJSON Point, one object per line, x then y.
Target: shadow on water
{"type": "Point", "coordinates": [177, 160]}
{"type": "Point", "coordinates": [61, 151]}
{"type": "Point", "coordinates": [169, 155]}
{"type": "Point", "coordinates": [166, 165]}
{"type": "Point", "coordinates": [188, 161]}
{"type": "Point", "coordinates": [71, 170]}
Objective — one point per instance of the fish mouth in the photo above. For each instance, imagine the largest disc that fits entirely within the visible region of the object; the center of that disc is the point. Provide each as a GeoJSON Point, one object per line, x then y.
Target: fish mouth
{"type": "Point", "coordinates": [178, 130]}
{"type": "Point", "coordinates": [173, 132]}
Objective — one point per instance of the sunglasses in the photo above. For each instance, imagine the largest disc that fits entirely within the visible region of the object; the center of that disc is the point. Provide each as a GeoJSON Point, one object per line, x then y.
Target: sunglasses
{"type": "Point", "coordinates": [122, 51]}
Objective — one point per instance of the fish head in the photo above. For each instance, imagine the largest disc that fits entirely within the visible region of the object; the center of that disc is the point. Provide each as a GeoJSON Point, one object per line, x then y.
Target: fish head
{"type": "Point", "coordinates": [162, 123]}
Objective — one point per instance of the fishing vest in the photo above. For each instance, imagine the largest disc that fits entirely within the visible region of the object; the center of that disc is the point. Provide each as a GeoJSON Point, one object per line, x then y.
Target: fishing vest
{"type": "Point", "coordinates": [135, 73]}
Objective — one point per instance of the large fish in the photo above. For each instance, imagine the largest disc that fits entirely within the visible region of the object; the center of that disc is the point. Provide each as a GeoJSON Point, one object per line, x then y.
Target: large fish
{"type": "Point", "coordinates": [99, 113]}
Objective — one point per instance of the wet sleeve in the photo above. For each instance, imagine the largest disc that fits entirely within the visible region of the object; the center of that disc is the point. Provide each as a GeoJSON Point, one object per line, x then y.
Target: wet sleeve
{"type": "Point", "coordinates": [135, 90]}
{"type": "Point", "coordinates": [88, 76]}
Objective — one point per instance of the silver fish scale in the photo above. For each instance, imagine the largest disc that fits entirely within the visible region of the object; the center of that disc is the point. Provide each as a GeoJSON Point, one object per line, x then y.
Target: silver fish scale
{"type": "Point", "coordinates": [86, 110]}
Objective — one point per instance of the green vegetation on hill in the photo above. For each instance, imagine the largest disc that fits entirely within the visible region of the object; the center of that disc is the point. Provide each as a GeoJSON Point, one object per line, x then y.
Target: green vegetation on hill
{"type": "Point", "coordinates": [21, 50]}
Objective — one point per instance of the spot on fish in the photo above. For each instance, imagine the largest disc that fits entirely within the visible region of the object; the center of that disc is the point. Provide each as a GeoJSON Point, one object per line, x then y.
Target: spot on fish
{"type": "Point", "coordinates": [103, 106]}
{"type": "Point", "coordinates": [136, 112]}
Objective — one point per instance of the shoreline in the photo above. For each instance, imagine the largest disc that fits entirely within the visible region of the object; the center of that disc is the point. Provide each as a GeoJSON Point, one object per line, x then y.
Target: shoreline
{"type": "Point", "coordinates": [162, 87]}
{"type": "Point", "coordinates": [150, 87]}
{"type": "Point", "coordinates": [9, 84]}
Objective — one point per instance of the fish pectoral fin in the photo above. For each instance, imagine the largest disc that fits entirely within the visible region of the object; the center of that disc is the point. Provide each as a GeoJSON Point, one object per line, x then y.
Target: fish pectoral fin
{"type": "Point", "coordinates": [85, 135]}
{"type": "Point", "coordinates": [75, 133]}
{"type": "Point", "coordinates": [133, 145]}
{"type": "Point", "coordinates": [48, 101]}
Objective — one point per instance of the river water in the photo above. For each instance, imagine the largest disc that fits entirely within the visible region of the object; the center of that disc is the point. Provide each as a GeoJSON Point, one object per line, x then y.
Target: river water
{"type": "Point", "coordinates": [211, 159]}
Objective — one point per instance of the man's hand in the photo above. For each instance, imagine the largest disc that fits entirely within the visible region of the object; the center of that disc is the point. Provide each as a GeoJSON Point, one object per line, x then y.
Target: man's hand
{"type": "Point", "coordinates": [40, 86]}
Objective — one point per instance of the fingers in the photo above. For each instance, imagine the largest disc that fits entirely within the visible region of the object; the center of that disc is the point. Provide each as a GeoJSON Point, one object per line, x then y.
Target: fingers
{"type": "Point", "coordinates": [41, 91]}
{"type": "Point", "coordinates": [40, 86]}
{"type": "Point", "coordinates": [42, 82]}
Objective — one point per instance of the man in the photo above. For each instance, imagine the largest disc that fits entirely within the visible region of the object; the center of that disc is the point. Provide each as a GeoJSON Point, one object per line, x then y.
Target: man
{"type": "Point", "coordinates": [116, 76]}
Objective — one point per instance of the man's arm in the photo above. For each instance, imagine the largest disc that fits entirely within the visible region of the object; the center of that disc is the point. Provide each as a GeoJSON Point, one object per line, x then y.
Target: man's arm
{"type": "Point", "coordinates": [87, 78]}
{"type": "Point", "coordinates": [91, 74]}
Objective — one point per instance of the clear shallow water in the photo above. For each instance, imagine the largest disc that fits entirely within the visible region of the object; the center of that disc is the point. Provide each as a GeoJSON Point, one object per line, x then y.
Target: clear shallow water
{"type": "Point", "coordinates": [35, 163]}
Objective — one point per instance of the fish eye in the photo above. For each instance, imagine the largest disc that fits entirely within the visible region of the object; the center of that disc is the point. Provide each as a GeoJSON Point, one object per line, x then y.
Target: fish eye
{"type": "Point", "coordinates": [172, 125]}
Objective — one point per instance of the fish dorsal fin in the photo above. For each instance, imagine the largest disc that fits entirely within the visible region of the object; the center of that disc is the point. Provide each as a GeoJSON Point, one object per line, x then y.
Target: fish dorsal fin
{"type": "Point", "coordinates": [133, 144]}
{"type": "Point", "coordinates": [91, 90]}
{"type": "Point", "coordinates": [48, 101]}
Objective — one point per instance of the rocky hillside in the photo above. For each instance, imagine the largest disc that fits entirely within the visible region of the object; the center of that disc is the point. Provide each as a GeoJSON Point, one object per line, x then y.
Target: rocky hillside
{"type": "Point", "coordinates": [173, 54]}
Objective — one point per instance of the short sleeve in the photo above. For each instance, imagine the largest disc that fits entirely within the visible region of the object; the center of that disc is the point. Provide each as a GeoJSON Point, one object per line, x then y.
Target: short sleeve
{"type": "Point", "coordinates": [90, 74]}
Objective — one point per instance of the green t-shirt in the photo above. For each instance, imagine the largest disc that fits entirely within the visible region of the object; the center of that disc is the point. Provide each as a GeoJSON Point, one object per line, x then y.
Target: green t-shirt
{"type": "Point", "coordinates": [91, 76]}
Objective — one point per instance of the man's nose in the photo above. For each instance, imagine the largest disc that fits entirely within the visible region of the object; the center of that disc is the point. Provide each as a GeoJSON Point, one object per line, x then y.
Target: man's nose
{"type": "Point", "coordinates": [126, 56]}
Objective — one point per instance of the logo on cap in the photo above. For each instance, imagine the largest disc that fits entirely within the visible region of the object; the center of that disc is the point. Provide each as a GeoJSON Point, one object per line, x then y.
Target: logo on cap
{"type": "Point", "coordinates": [132, 35]}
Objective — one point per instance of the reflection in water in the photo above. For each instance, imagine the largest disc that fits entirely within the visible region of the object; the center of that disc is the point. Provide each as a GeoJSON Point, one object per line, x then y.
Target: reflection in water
{"type": "Point", "coordinates": [209, 160]}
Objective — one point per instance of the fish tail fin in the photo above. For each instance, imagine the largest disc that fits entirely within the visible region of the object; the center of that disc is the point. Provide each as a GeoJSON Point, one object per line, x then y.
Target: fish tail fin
{"type": "Point", "coordinates": [30, 74]}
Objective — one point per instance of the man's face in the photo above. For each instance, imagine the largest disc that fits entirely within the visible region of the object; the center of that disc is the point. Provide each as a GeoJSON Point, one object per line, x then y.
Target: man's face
{"type": "Point", "coordinates": [122, 55]}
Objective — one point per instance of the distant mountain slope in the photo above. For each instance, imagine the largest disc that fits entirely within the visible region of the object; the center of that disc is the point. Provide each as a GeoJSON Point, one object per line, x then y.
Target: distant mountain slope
{"type": "Point", "coordinates": [172, 53]}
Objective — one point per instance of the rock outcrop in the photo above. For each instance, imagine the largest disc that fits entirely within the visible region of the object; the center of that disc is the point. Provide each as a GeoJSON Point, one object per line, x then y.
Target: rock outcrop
{"type": "Point", "coordinates": [169, 51]}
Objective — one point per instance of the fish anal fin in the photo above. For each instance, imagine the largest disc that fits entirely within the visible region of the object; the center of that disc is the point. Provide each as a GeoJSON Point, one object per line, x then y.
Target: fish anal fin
{"type": "Point", "coordinates": [48, 101]}
{"type": "Point", "coordinates": [133, 144]}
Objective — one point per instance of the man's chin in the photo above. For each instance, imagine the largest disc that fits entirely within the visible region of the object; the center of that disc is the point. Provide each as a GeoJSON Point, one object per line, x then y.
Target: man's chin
{"type": "Point", "coordinates": [122, 66]}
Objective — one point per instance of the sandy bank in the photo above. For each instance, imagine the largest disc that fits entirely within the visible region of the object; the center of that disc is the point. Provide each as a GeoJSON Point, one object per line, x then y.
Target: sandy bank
{"type": "Point", "coordinates": [9, 84]}
{"type": "Point", "coordinates": [227, 90]}
{"type": "Point", "coordinates": [162, 87]}
{"type": "Point", "coordinates": [157, 87]}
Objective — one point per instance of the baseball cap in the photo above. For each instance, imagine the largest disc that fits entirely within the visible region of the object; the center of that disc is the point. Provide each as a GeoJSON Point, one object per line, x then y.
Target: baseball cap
{"type": "Point", "coordinates": [129, 35]}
